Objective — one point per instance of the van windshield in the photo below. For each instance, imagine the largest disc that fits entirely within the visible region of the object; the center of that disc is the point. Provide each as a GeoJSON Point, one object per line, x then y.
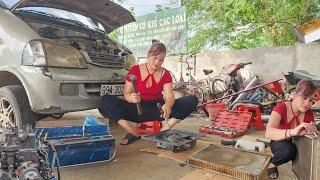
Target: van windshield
{"type": "Point", "coordinates": [88, 22]}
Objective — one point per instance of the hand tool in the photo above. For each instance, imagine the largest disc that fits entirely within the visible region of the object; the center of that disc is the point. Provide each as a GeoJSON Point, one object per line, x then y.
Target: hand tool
{"type": "Point", "coordinates": [133, 79]}
{"type": "Point", "coordinates": [161, 114]}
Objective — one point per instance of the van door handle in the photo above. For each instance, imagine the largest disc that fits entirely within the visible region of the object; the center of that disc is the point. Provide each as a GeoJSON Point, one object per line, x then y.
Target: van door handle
{"type": "Point", "coordinates": [1, 40]}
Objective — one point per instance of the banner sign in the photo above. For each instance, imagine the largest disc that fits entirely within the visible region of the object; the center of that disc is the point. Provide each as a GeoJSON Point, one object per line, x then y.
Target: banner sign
{"type": "Point", "coordinates": [168, 26]}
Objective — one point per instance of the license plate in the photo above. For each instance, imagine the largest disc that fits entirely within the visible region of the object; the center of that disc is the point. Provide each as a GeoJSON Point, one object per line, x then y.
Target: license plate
{"type": "Point", "coordinates": [111, 89]}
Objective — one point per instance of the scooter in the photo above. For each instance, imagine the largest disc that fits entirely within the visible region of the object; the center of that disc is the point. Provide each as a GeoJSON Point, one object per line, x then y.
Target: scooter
{"type": "Point", "coordinates": [294, 77]}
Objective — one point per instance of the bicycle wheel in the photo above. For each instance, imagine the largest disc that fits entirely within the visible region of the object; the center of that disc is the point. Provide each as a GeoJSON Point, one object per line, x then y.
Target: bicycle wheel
{"type": "Point", "coordinates": [193, 89]}
{"type": "Point", "coordinates": [219, 88]}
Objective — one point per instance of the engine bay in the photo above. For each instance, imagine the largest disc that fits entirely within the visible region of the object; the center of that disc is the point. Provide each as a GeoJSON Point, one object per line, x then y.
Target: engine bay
{"type": "Point", "coordinates": [97, 48]}
{"type": "Point", "coordinates": [79, 40]}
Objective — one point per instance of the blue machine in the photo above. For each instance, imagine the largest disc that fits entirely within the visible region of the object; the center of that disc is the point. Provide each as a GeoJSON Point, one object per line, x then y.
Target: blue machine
{"type": "Point", "coordinates": [76, 145]}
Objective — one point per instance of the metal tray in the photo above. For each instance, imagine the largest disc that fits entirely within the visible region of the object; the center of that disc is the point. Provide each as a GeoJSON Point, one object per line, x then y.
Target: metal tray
{"type": "Point", "coordinates": [237, 163]}
{"type": "Point", "coordinates": [174, 140]}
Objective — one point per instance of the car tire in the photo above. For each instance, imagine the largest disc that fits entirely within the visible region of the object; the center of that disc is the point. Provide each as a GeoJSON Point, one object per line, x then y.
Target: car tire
{"type": "Point", "coordinates": [15, 109]}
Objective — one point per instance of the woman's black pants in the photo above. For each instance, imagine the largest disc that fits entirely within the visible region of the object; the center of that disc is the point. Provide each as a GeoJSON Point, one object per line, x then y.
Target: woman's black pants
{"type": "Point", "coordinates": [117, 108]}
{"type": "Point", "coordinates": [283, 151]}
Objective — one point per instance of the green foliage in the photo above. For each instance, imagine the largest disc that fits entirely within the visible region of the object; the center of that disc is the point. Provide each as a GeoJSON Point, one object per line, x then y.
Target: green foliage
{"type": "Point", "coordinates": [241, 24]}
{"type": "Point", "coordinates": [161, 8]}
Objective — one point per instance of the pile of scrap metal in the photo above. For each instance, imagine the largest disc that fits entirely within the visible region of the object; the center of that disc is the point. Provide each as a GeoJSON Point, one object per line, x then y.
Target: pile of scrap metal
{"type": "Point", "coordinates": [23, 157]}
{"type": "Point", "coordinates": [254, 93]}
{"type": "Point", "coordinates": [258, 99]}
{"type": "Point", "coordinates": [266, 95]}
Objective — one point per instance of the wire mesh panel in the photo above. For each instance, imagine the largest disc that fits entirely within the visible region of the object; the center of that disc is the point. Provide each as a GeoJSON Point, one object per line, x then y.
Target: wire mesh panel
{"type": "Point", "coordinates": [230, 161]}
{"type": "Point", "coordinates": [306, 162]}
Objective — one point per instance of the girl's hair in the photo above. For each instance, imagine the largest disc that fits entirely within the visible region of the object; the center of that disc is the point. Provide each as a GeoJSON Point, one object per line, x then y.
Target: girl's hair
{"type": "Point", "coordinates": [305, 88]}
{"type": "Point", "coordinates": [157, 48]}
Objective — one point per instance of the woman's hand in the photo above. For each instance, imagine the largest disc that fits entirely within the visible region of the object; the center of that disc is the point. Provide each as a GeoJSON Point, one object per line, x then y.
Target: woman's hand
{"type": "Point", "coordinates": [303, 129]}
{"type": "Point", "coordinates": [135, 97]}
{"type": "Point", "coordinates": [166, 111]}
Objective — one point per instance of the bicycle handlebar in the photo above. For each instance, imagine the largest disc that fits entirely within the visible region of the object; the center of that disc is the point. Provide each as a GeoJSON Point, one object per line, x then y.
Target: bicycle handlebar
{"type": "Point", "coordinates": [247, 63]}
{"type": "Point", "coordinates": [241, 65]}
{"type": "Point", "coordinates": [193, 55]}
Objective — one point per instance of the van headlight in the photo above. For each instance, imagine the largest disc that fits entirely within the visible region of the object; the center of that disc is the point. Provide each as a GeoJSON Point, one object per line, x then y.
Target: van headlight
{"type": "Point", "coordinates": [52, 54]}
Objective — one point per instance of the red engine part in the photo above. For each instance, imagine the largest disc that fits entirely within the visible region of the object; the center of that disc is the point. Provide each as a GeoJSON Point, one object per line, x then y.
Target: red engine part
{"type": "Point", "coordinates": [149, 127]}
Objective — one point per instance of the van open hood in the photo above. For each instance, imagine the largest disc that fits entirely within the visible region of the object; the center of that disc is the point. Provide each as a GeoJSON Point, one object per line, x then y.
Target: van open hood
{"type": "Point", "coordinates": [108, 13]}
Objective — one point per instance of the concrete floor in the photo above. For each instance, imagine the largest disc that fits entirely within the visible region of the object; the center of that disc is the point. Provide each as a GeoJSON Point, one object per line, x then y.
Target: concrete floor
{"type": "Point", "coordinates": [131, 163]}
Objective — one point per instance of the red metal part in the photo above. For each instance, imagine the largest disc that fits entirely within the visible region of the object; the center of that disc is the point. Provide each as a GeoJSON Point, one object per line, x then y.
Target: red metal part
{"type": "Point", "coordinates": [235, 69]}
{"type": "Point", "coordinates": [255, 120]}
{"type": "Point", "coordinates": [275, 87]}
{"type": "Point", "coordinates": [149, 127]}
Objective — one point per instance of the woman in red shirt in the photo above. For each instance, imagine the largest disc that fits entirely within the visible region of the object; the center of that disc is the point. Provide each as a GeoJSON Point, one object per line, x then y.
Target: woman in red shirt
{"type": "Point", "coordinates": [289, 119]}
{"type": "Point", "coordinates": [151, 80]}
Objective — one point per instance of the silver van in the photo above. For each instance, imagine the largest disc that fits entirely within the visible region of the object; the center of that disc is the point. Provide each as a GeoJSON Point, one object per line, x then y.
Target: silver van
{"type": "Point", "coordinates": [56, 57]}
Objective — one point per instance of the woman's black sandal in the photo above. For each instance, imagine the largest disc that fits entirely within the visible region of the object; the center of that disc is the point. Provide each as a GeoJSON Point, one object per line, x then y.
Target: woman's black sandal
{"type": "Point", "coordinates": [271, 171]}
{"type": "Point", "coordinates": [130, 139]}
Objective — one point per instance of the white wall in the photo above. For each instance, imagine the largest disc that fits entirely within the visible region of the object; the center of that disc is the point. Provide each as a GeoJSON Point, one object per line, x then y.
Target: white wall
{"type": "Point", "coordinates": [268, 63]}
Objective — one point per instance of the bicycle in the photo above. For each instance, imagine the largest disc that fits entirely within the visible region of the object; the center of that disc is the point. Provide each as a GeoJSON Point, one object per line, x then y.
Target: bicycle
{"type": "Point", "coordinates": [226, 83]}
{"type": "Point", "coordinates": [215, 87]}
{"type": "Point", "coordinates": [192, 86]}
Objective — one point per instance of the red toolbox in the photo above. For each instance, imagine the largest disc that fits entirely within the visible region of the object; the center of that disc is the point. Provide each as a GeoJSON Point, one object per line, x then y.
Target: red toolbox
{"type": "Point", "coordinates": [214, 108]}
{"type": "Point", "coordinates": [228, 124]}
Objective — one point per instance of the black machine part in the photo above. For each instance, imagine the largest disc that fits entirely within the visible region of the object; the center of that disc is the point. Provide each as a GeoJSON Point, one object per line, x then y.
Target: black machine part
{"type": "Point", "coordinates": [174, 140]}
{"type": "Point", "coordinates": [228, 143]}
{"type": "Point", "coordinates": [20, 157]}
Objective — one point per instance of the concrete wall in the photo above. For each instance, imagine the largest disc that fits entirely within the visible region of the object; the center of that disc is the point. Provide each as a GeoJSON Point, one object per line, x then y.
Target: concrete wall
{"type": "Point", "coordinates": [268, 63]}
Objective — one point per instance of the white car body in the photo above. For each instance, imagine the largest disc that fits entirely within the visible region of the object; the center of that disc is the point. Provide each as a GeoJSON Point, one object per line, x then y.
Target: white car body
{"type": "Point", "coordinates": [57, 89]}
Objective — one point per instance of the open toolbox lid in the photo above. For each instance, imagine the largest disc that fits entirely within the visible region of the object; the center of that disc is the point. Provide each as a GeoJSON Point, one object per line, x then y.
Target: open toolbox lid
{"type": "Point", "coordinates": [237, 120]}
{"type": "Point", "coordinates": [229, 124]}
{"type": "Point", "coordinates": [72, 131]}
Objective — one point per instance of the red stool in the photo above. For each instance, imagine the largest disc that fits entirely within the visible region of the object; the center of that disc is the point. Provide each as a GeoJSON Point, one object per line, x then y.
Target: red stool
{"type": "Point", "coordinates": [149, 127]}
{"type": "Point", "coordinates": [255, 120]}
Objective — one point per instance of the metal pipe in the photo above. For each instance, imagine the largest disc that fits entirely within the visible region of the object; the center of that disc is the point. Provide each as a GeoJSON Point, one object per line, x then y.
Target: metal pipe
{"type": "Point", "coordinates": [254, 81]}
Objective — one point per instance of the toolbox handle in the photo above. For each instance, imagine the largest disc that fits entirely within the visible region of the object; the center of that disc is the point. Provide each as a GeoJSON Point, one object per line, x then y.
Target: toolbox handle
{"type": "Point", "coordinates": [84, 131]}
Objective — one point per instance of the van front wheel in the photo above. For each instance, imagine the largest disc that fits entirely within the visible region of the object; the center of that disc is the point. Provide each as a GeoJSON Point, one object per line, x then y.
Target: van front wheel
{"type": "Point", "coordinates": [15, 109]}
